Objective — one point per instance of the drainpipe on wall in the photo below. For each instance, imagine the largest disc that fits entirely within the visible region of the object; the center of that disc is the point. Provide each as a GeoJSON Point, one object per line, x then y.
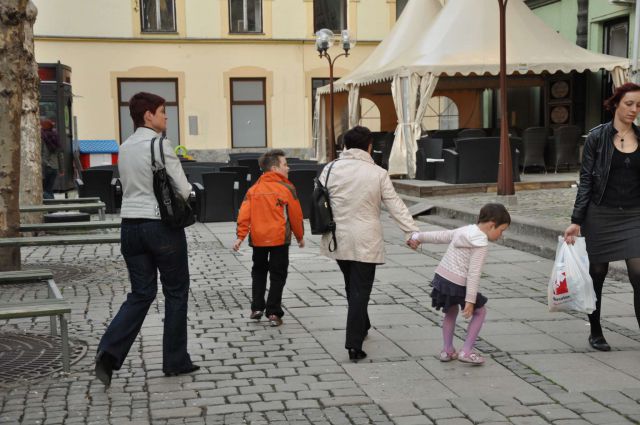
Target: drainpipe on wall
{"type": "Point", "coordinates": [636, 36]}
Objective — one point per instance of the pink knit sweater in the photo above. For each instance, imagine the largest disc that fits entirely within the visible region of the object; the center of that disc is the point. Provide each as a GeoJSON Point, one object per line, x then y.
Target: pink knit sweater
{"type": "Point", "coordinates": [462, 263]}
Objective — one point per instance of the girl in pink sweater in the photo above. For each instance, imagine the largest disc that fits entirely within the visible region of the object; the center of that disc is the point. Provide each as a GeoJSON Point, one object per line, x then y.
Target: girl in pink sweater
{"type": "Point", "coordinates": [455, 284]}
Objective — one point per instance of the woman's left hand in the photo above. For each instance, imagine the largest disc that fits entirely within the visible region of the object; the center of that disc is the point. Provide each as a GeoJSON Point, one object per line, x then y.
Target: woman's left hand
{"type": "Point", "coordinates": [570, 234]}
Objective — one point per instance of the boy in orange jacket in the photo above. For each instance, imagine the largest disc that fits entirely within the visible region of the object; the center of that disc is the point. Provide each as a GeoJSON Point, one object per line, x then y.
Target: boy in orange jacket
{"type": "Point", "coordinates": [269, 213]}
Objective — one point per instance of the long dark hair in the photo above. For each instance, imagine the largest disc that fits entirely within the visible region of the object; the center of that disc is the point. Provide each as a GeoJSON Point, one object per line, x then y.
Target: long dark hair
{"type": "Point", "coordinates": [612, 103]}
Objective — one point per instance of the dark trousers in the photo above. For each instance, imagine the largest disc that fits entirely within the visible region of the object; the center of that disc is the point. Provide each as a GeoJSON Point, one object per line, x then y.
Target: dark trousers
{"type": "Point", "coordinates": [358, 281]}
{"type": "Point", "coordinates": [149, 246]}
{"type": "Point", "coordinates": [49, 175]}
{"type": "Point", "coordinates": [275, 261]}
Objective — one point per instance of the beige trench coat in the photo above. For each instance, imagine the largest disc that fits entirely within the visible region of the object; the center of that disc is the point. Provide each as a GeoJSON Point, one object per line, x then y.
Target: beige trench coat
{"type": "Point", "coordinates": [357, 189]}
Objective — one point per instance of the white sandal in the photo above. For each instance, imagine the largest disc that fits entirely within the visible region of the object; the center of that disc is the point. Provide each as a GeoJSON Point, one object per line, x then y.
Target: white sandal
{"type": "Point", "coordinates": [471, 358]}
{"type": "Point", "coordinates": [447, 357]}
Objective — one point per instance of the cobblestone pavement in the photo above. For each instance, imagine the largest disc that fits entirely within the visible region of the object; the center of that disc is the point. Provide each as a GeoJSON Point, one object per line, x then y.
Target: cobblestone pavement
{"type": "Point", "coordinates": [539, 368]}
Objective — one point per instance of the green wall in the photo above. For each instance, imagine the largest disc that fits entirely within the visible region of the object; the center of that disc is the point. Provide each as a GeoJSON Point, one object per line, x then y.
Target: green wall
{"type": "Point", "coordinates": [561, 16]}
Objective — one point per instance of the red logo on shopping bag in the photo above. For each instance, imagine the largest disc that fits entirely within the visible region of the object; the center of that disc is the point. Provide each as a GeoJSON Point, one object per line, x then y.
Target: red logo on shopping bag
{"type": "Point", "coordinates": [560, 286]}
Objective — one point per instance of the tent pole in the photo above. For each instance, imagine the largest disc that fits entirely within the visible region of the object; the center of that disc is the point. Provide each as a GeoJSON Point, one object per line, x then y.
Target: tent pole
{"type": "Point", "coordinates": [505, 171]}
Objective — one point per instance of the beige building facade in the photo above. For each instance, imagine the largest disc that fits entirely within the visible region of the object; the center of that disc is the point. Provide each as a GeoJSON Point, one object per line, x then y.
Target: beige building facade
{"type": "Point", "coordinates": [236, 74]}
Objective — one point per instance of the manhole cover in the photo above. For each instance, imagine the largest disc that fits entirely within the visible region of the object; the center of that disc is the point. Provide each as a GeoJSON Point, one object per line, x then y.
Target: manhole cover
{"type": "Point", "coordinates": [26, 357]}
{"type": "Point", "coordinates": [61, 272]}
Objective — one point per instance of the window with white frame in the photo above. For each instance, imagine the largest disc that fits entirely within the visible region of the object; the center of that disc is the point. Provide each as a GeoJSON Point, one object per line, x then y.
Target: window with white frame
{"type": "Point", "coordinates": [158, 15]}
{"type": "Point", "coordinates": [245, 16]}
{"type": "Point", "coordinates": [165, 88]}
{"type": "Point", "coordinates": [441, 114]}
{"type": "Point", "coordinates": [331, 14]}
{"type": "Point", "coordinates": [369, 114]}
{"type": "Point", "coordinates": [248, 113]}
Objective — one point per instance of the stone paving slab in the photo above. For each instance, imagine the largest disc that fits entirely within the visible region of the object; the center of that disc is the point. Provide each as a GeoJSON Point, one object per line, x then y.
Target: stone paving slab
{"type": "Point", "coordinates": [300, 373]}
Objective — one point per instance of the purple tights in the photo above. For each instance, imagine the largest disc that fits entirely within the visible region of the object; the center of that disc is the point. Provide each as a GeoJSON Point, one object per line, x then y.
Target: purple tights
{"type": "Point", "coordinates": [449, 325]}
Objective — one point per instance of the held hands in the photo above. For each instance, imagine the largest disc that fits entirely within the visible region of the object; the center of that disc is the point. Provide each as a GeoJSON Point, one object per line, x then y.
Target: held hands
{"type": "Point", "coordinates": [413, 241]}
{"type": "Point", "coordinates": [570, 234]}
{"type": "Point", "coordinates": [468, 310]}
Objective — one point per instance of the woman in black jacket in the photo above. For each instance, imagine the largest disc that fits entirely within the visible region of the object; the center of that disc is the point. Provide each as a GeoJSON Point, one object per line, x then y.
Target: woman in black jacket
{"type": "Point", "coordinates": [607, 207]}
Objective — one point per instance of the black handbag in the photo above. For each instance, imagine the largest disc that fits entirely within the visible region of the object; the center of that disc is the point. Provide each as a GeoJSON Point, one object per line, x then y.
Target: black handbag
{"type": "Point", "coordinates": [175, 212]}
{"type": "Point", "coordinates": [321, 215]}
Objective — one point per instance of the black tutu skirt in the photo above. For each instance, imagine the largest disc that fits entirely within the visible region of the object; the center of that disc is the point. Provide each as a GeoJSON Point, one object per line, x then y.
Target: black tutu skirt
{"type": "Point", "coordinates": [446, 294]}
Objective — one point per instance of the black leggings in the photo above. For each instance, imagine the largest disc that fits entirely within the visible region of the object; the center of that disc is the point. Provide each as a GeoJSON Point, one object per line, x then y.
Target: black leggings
{"type": "Point", "coordinates": [598, 272]}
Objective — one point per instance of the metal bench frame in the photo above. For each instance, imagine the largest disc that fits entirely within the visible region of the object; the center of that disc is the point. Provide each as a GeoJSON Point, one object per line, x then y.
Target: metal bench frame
{"type": "Point", "coordinates": [82, 239]}
{"type": "Point", "coordinates": [80, 206]}
{"type": "Point", "coordinates": [54, 306]}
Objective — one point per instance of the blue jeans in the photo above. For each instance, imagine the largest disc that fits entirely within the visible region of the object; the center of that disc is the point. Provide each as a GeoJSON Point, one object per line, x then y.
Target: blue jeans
{"type": "Point", "coordinates": [148, 246]}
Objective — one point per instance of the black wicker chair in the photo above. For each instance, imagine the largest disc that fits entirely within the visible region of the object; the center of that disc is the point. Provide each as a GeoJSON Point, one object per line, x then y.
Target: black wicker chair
{"type": "Point", "coordinates": [468, 133]}
{"type": "Point", "coordinates": [428, 148]}
{"type": "Point", "coordinates": [303, 182]}
{"type": "Point", "coordinates": [254, 169]}
{"type": "Point", "coordinates": [474, 161]}
{"type": "Point", "coordinates": [534, 142]}
{"type": "Point", "coordinates": [242, 174]}
{"type": "Point", "coordinates": [563, 149]}
{"type": "Point", "coordinates": [98, 182]}
{"type": "Point", "coordinates": [219, 197]}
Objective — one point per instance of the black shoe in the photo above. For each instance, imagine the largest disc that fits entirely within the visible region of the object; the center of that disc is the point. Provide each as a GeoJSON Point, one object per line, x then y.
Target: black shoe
{"type": "Point", "coordinates": [104, 367]}
{"type": "Point", "coordinates": [599, 343]}
{"type": "Point", "coordinates": [189, 369]}
{"type": "Point", "coordinates": [355, 354]}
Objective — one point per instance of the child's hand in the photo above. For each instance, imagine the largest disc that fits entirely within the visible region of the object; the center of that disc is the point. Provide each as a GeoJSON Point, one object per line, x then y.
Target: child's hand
{"type": "Point", "coordinates": [414, 244]}
{"type": "Point", "coordinates": [301, 243]}
{"type": "Point", "coordinates": [236, 244]}
{"type": "Point", "coordinates": [468, 310]}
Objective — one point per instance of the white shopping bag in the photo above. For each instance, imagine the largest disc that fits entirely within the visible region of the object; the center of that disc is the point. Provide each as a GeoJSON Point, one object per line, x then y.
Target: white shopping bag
{"type": "Point", "coordinates": [570, 285]}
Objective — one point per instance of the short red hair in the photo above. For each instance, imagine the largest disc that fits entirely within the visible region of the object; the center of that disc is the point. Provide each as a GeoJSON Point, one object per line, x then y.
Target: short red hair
{"type": "Point", "coordinates": [612, 103]}
{"type": "Point", "coordinates": [141, 103]}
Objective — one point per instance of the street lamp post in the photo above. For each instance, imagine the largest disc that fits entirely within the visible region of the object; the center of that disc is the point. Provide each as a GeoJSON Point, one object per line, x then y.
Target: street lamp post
{"type": "Point", "coordinates": [324, 41]}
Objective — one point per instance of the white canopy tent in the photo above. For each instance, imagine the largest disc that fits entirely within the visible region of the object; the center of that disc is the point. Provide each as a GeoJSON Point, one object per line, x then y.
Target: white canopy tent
{"type": "Point", "coordinates": [463, 40]}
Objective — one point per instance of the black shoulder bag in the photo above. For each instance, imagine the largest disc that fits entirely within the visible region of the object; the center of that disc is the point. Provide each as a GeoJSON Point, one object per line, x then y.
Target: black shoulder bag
{"type": "Point", "coordinates": [175, 212]}
{"type": "Point", "coordinates": [321, 216]}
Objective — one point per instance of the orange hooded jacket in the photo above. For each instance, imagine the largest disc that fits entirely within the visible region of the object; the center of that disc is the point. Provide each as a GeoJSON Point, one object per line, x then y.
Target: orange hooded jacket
{"type": "Point", "coordinates": [270, 211]}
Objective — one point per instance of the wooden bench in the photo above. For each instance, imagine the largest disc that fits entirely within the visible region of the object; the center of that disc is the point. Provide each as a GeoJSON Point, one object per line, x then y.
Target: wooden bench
{"type": "Point", "coordinates": [80, 225]}
{"type": "Point", "coordinates": [88, 206]}
{"type": "Point", "coordinates": [61, 240]}
{"type": "Point", "coordinates": [54, 306]}
{"type": "Point", "coordinates": [92, 199]}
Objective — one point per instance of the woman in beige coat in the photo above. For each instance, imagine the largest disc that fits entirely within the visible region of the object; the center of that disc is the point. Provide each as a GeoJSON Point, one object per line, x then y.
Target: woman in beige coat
{"type": "Point", "coordinates": [357, 188]}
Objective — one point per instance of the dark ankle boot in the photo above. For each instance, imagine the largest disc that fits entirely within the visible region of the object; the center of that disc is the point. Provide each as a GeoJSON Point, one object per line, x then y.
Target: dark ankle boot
{"type": "Point", "coordinates": [356, 354]}
{"type": "Point", "coordinates": [104, 367]}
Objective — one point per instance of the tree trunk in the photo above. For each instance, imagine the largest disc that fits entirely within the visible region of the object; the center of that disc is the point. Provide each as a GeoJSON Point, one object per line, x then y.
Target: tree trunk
{"type": "Point", "coordinates": [13, 14]}
{"type": "Point", "coordinates": [30, 153]}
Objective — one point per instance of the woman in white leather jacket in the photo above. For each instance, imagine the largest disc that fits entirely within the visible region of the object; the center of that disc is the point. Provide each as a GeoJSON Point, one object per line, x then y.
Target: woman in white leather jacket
{"type": "Point", "coordinates": [149, 246]}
